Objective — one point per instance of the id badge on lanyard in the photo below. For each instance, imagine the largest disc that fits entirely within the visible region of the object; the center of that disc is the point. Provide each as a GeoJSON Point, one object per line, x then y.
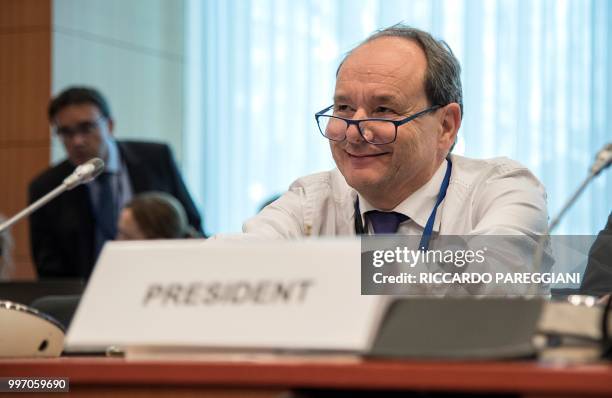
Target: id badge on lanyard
{"type": "Point", "coordinates": [426, 237]}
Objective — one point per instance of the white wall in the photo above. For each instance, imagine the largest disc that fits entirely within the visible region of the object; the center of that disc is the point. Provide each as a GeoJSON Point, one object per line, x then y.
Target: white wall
{"type": "Point", "coordinates": [132, 51]}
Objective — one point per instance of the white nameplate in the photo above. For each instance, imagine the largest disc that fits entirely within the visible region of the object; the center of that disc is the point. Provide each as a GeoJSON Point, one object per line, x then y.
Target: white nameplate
{"type": "Point", "coordinates": [290, 295]}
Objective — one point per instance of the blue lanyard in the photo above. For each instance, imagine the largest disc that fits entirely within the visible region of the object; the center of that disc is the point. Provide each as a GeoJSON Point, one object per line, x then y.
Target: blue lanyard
{"type": "Point", "coordinates": [424, 244]}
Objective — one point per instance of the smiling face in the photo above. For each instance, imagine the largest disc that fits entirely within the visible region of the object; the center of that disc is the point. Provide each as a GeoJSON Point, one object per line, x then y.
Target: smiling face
{"type": "Point", "coordinates": [385, 78]}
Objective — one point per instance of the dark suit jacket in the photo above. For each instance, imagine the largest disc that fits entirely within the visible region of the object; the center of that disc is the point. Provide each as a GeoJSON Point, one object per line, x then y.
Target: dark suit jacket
{"type": "Point", "coordinates": [597, 279]}
{"type": "Point", "coordinates": [62, 233]}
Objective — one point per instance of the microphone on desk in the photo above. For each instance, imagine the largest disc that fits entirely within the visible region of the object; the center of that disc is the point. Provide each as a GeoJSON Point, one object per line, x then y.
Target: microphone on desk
{"type": "Point", "coordinates": [25, 331]}
{"type": "Point", "coordinates": [81, 175]}
{"type": "Point", "coordinates": [603, 159]}
{"type": "Point", "coordinates": [84, 173]}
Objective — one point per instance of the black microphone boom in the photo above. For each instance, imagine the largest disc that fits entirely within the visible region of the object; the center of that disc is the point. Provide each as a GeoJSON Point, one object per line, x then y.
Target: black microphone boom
{"type": "Point", "coordinates": [603, 159]}
{"type": "Point", "coordinates": [82, 174]}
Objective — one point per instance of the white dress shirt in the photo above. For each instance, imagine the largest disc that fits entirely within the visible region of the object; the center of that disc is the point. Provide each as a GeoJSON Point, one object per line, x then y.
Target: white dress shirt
{"type": "Point", "coordinates": [485, 199]}
{"type": "Point", "coordinates": [495, 197]}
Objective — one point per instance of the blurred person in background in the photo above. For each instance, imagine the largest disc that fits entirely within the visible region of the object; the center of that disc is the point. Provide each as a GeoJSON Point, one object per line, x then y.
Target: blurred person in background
{"type": "Point", "coordinates": [597, 279]}
{"type": "Point", "coordinates": [154, 215]}
{"type": "Point", "coordinates": [68, 233]}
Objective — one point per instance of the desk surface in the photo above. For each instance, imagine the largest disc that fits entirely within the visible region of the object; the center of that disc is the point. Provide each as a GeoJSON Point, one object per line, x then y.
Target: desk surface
{"type": "Point", "coordinates": [500, 377]}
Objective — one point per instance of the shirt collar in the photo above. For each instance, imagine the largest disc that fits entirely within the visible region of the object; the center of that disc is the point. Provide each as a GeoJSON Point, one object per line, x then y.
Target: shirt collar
{"type": "Point", "coordinates": [420, 204]}
{"type": "Point", "coordinates": [113, 163]}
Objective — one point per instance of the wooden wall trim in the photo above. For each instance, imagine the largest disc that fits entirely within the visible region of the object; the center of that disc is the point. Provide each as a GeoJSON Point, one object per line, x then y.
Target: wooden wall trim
{"type": "Point", "coordinates": [25, 78]}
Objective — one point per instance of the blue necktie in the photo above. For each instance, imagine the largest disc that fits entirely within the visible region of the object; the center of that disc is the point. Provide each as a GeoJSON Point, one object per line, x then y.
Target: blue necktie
{"type": "Point", "coordinates": [106, 209]}
{"type": "Point", "coordinates": [385, 222]}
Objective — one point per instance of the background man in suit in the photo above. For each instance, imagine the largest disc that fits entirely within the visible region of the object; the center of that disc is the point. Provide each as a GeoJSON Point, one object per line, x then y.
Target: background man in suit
{"type": "Point", "coordinates": [597, 280]}
{"type": "Point", "coordinates": [68, 233]}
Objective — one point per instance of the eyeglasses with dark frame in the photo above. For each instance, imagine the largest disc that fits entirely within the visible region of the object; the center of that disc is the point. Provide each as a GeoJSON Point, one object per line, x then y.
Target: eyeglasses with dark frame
{"type": "Point", "coordinates": [87, 127]}
{"type": "Point", "coordinates": [374, 131]}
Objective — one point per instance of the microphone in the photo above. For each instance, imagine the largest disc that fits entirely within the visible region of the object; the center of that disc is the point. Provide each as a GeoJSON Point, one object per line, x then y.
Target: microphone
{"type": "Point", "coordinates": [603, 159]}
{"type": "Point", "coordinates": [81, 175]}
{"type": "Point", "coordinates": [84, 173]}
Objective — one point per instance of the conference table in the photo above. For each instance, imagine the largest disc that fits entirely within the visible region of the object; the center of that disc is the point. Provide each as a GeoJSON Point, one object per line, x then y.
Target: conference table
{"type": "Point", "coordinates": [276, 376]}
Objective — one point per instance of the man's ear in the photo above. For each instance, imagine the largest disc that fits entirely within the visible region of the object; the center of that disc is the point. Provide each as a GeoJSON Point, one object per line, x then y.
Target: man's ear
{"type": "Point", "coordinates": [451, 121]}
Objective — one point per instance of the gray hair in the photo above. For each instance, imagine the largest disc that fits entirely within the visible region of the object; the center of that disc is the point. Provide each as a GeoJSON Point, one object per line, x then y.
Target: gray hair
{"type": "Point", "coordinates": [443, 74]}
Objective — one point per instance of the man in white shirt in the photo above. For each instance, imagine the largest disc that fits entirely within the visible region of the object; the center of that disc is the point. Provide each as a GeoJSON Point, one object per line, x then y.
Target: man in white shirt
{"type": "Point", "coordinates": [392, 125]}
{"type": "Point", "coordinates": [400, 162]}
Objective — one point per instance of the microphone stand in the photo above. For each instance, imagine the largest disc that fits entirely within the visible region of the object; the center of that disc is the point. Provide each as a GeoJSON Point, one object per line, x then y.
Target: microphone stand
{"type": "Point", "coordinates": [82, 174]}
{"type": "Point", "coordinates": [602, 161]}
{"type": "Point", "coordinates": [570, 202]}
{"type": "Point", "coordinates": [539, 252]}
{"type": "Point", "coordinates": [33, 207]}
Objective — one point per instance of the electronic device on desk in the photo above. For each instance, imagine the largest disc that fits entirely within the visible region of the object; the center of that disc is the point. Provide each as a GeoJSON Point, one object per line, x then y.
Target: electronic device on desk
{"type": "Point", "coordinates": [459, 328]}
{"type": "Point", "coordinates": [576, 329]}
{"type": "Point", "coordinates": [27, 292]}
{"type": "Point", "coordinates": [27, 332]}
{"type": "Point", "coordinates": [469, 328]}
{"type": "Point", "coordinates": [34, 314]}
